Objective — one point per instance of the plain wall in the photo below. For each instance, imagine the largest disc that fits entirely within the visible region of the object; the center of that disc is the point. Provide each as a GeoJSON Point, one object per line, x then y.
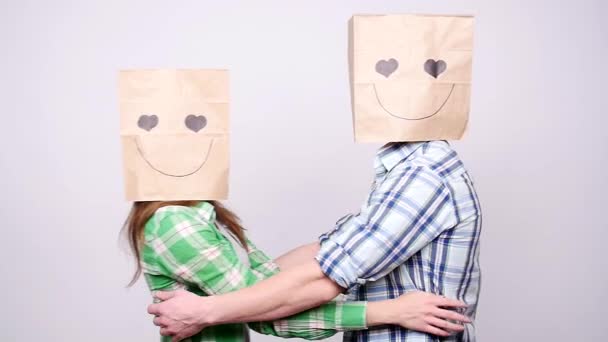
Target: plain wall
{"type": "Point", "coordinates": [537, 147]}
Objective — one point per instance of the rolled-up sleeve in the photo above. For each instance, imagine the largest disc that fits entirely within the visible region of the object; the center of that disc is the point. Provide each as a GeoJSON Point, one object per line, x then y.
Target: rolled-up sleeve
{"type": "Point", "coordinates": [409, 209]}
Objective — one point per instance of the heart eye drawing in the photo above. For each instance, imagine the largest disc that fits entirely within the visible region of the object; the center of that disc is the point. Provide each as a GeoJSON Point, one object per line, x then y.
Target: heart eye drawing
{"type": "Point", "coordinates": [195, 122]}
{"type": "Point", "coordinates": [435, 67]}
{"type": "Point", "coordinates": [147, 122]}
{"type": "Point", "coordinates": [387, 67]}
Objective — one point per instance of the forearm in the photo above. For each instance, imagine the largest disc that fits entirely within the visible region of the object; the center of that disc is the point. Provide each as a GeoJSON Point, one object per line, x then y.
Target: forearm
{"type": "Point", "coordinates": [330, 318]}
{"type": "Point", "coordinates": [317, 323]}
{"type": "Point", "coordinates": [298, 255]}
{"type": "Point", "coordinates": [376, 313]}
{"type": "Point", "coordinates": [302, 298]}
{"type": "Point", "coordinates": [290, 291]}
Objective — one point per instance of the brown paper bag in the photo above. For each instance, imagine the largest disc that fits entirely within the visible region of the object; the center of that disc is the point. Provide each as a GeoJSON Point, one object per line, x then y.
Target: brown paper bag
{"type": "Point", "coordinates": [174, 126]}
{"type": "Point", "coordinates": [410, 76]}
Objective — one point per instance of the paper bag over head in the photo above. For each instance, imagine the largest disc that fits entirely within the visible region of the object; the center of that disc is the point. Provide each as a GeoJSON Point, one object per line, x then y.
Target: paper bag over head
{"type": "Point", "coordinates": [174, 127]}
{"type": "Point", "coordinates": [410, 76]}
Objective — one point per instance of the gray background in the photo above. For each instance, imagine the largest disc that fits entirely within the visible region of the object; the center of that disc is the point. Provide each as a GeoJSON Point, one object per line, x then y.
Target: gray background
{"type": "Point", "coordinates": [537, 147]}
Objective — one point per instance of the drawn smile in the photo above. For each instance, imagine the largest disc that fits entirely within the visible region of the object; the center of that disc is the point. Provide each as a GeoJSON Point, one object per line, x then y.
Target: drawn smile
{"type": "Point", "coordinates": [140, 150]}
{"type": "Point", "coordinates": [408, 117]}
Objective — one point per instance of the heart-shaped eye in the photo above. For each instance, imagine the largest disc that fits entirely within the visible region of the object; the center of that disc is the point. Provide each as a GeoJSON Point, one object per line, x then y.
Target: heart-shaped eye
{"type": "Point", "coordinates": [147, 122]}
{"type": "Point", "coordinates": [195, 123]}
{"type": "Point", "coordinates": [435, 68]}
{"type": "Point", "coordinates": [386, 68]}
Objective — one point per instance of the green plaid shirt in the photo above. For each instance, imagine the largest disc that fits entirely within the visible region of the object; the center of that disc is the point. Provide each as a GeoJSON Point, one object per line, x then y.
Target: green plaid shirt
{"type": "Point", "coordinates": [184, 250]}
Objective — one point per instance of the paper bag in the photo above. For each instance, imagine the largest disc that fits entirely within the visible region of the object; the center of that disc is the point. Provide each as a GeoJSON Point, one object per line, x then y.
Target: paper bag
{"type": "Point", "coordinates": [410, 76]}
{"type": "Point", "coordinates": [174, 126]}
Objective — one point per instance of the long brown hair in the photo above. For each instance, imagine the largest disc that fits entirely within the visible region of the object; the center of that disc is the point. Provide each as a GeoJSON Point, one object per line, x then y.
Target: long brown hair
{"type": "Point", "coordinates": [141, 212]}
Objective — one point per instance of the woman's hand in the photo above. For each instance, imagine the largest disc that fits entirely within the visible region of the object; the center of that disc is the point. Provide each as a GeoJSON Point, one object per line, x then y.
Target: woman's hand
{"type": "Point", "coordinates": [419, 311]}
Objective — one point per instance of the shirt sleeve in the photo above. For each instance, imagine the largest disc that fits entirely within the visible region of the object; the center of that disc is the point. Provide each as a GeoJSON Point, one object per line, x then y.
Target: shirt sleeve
{"type": "Point", "coordinates": [194, 253]}
{"type": "Point", "coordinates": [408, 210]}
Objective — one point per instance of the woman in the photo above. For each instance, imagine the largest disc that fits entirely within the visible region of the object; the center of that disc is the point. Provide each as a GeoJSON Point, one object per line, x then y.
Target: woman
{"type": "Point", "coordinates": [201, 247]}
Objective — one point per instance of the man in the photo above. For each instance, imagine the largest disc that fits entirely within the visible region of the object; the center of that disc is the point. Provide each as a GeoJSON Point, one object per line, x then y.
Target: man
{"type": "Point", "coordinates": [419, 228]}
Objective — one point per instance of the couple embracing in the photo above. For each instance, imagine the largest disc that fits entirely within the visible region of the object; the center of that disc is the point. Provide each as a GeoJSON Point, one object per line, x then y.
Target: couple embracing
{"type": "Point", "coordinates": [402, 268]}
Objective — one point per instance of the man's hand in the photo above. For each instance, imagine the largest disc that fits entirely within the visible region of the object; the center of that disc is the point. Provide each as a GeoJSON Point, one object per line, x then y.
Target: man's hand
{"type": "Point", "coordinates": [183, 314]}
{"type": "Point", "coordinates": [179, 314]}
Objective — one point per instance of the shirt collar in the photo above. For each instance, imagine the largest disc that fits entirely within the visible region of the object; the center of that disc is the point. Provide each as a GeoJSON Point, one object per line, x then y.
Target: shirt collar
{"type": "Point", "coordinates": [391, 154]}
{"type": "Point", "coordinates": [205, 210]}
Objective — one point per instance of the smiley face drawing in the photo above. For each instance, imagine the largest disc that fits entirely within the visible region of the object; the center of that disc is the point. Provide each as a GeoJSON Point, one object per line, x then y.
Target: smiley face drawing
{"type": "Point", "coordinates": [410, 76]}
{"type": "Point", "coordinates": [174, 131]}
{"type": "Point", "coordinates": [432, 67]}
{"type": "Point", "coordinates": [192, 122]}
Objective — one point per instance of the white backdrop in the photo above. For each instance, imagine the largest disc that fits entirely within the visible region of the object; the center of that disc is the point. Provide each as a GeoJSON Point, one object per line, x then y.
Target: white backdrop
{"type": "Point", "coordinates": [537, 148]}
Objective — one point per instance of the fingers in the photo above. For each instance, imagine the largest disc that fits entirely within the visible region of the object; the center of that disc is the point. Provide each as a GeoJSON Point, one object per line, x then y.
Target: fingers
{"type": "Point", "coordinates": [444, 325]}
{"type": "Point", "coordinates": [162, 295]}
{"type": "Point", "coordinates": [451, 315]}
{"type": "Point", "coordinates": [450, 303]}
{"type": "Point", "coordinates": [435, 331]}
{"type": "Point", "coordinates": [161, 321]}
{"type": "Point", "coordinates": [154, 309]}
{"type": "Point", "coordinates": [166, 332]}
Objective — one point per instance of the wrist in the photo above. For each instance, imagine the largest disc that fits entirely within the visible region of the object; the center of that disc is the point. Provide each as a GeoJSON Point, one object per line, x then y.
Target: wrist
{"type": "Point", "coordinates": [380, 313]}
{"type": "Point", "coordinates": [208, 313]}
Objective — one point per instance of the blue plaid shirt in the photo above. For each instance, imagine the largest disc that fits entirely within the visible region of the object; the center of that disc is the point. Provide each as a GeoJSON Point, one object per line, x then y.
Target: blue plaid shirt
{"type": "Point", "coordinates": [418, 230]}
